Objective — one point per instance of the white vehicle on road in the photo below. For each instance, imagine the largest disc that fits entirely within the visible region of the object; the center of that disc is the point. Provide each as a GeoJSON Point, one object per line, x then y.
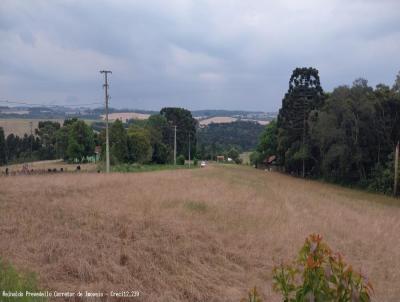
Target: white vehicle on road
{"type": "Point", "coordinates": [203, 164]}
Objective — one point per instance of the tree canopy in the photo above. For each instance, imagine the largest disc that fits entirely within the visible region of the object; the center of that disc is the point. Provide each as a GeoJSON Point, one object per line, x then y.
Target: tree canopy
{"type": "Point", "coordinates": [346, 136]}
{"type": "Point", "coordinates": [304, 95]}
{"type": "Point", "coordinates": [186, 129]}
{"type": "Point", "coordinates": [217, 139]}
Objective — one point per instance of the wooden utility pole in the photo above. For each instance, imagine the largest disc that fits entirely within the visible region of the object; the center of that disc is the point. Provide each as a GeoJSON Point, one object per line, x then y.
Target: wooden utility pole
{"type": "Point", "coordinates": [304, 137]}
{"type": "Point", "coordinates": [175, 145]}
{"type": "Point", "coordinates": [106, 104]}
{"type": "Point", "coordinates": [189, 149]}
{"type": "Point", "coordinates": [31, 139]}
{"type": "Point", "coordinates": [396, 169]}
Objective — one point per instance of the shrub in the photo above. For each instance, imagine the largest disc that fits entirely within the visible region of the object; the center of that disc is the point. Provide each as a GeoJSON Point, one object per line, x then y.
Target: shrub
{"type": "Point", "coordinates": [180, 160]}
{"type": "Point", "coordinates": [239, 161]}
{"type": "Point", "coordinates": [255, 158]}
{"type": "Point", "coordinates": [382, 179]}
{"type": "Point", "coordinates": [320, 275]}
{"type": "Point", "coordinates": [252, 296]}
{"type": "Point", "coordinates": [195, 161]}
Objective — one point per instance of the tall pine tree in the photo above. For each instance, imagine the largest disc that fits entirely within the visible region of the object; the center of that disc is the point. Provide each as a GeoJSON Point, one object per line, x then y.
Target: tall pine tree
{"type": "Point", "coordinates": [3, 146]}
{"type": "Point", "coordinates": [304, 95]}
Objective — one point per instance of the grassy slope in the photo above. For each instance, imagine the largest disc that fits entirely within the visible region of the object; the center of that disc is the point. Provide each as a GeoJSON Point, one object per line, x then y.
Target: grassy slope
{"type": "Point", "coordinates": [192, 235]}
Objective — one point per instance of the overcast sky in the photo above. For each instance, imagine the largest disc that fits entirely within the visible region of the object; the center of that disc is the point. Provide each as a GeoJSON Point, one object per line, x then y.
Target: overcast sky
{"type": "Point", "coordinates": [219, 54]}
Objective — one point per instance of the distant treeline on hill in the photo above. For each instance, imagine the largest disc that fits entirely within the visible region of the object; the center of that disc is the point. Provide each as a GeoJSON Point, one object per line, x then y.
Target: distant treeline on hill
{"type": "Point", "coordinates": [347, 136]}
{"type": "Point", "coordinates": [148, 141]}
{"type": "Point", "coordinates": [62, 112]}
{"type": "Point", "coordinates": [218, 139]}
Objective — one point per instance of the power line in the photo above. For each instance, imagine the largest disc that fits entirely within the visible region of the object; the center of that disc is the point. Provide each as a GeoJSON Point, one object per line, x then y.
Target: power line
{"type": "Point", "coordinates": [46, 105]}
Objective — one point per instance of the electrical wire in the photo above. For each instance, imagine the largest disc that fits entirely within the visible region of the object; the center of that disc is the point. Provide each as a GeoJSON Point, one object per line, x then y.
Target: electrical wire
{"type": "Point", "coordinates": [46, 105]}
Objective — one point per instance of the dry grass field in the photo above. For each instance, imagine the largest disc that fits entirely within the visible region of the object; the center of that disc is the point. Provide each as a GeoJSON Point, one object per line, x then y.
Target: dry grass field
{"type": "Point", "coordinates": [189, 235]}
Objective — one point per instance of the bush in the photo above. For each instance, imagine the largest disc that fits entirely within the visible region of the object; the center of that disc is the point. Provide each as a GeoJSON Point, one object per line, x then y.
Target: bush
{"type": "Point", "coordinates": [382, 179]}
{"type": "Point", "coordinates": [252, 296]}
{"type": "Point", "coordinates": [320, 275]}
{"type": "Point", "coordinates": [255, 158]}
{"type": "Point", "coordinates": [180, 160]}
{"type": "Point", "coordinates": [195, 161]}
{"type": "Point", "coordinates": [239, 161]}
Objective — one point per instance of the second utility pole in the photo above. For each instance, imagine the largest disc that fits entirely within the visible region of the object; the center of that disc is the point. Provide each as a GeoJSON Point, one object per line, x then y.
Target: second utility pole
{"type": "Point", "coordinates": [107, 139]}
{"type": "Point", "coordinates": [189, 149]}
{"type": "Point", "coordinates": [396, 168]}
{"type": "Point", "coordinates": [175, 146]}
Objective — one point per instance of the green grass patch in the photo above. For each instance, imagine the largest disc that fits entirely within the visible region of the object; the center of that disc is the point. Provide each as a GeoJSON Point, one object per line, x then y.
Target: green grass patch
{"type": "Point", "coordinates": [196, 206]}
{"type": "Point", "coordinates": [12, 281]}
{"type": "Point", "coordinates": [132, 168]}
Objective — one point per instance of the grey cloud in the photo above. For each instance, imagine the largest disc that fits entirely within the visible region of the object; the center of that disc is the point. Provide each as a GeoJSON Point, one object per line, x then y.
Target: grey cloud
{"type": "Point", "coordinates": [195, 54]}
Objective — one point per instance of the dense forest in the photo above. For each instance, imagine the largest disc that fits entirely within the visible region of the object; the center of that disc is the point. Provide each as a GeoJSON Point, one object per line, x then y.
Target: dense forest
{"type": "Point", "coordinates": [218, 139]}
{"type": "Point", "coordinates": [347, 136]}
{"type": "Point", "coordinates": [74, 140]}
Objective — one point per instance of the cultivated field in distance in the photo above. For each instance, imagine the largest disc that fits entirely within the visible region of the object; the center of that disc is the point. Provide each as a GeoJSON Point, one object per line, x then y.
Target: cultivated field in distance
{"type": "Point", "coordinates": [217, 120]}
{"type": "Point", "coordinates": [227, 119]}
{"type": "Point", "coordinates": [21, 126]}
{"type": "Point", "coordinates": [124, 116]}
{"type": "Point", "coordinates": [189, 235]}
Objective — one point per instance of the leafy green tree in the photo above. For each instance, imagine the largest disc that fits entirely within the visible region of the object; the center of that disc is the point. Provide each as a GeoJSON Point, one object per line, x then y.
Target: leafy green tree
{"type": "Point", "coordinates": [3, 148]}
{"type": "Point", "coordinates": [234, 155]}
{"type": "Point", "coordinates": [255, 158]}
{"type": "Point", "coordinates": [186, 126]}
{"type": "Point", "coordinates": [46, 132]}
{"type": "Point", "coordinates": [80, 141]}
{"type": "Point", "coordinates": [180, 160]}
{"type": "Point", "coordinates": [20, 148]}
{"type": "Point", "coordinates": [342, 131]}
{"type": "Point", "coordinates": [267, 145]}
{"type": "Point", "coordinates": [158, 128]}
{"type": "Point", "coordinates": [219, 138]}
{"type": "Point", "coordinates": [13, 145]}
{"type": "Point", "coordinates": [396, 85]}
{"type": "Point", "coordinates": [161, 154]}
{"type": "Point", "coordinates": [139, 146]}
{"type": "Point", "coordinates": [118, 142]}
{"type": "Point", "coordinates": [346, 136]}
{"type": "Point", "coordinates": [62, 139]}
{"type": "Point", "coordinates": [75, 151]}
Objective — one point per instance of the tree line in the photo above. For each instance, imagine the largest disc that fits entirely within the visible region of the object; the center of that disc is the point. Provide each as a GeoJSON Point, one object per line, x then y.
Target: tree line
{"type": "Point", "coordinates": [229, 139]}
{"type": "Point", "coordinates": [74, 140]}
{"type": "Point", "coordinates": [151, 141]}
{"type": "Point", "coordinates": [347, 136]}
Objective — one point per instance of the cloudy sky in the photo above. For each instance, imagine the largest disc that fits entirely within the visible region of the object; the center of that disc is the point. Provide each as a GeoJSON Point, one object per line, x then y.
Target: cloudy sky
{"type": "Point", "coordinates": [198, 54]}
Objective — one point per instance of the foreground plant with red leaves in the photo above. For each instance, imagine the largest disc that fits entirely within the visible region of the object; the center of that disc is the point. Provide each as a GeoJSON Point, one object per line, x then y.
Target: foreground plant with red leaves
{"type": "Point", "coordinates": [320, 275]}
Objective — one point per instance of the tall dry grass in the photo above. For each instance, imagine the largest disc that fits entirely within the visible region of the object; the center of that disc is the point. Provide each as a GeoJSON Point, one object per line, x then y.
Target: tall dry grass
{"type": "Point", "coordinates": [189, 235]}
